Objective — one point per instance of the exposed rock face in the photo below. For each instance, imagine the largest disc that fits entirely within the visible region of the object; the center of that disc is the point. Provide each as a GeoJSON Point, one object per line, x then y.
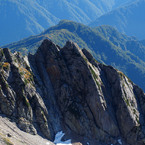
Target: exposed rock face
{"type": "Point", "coordinates": [66, 89]}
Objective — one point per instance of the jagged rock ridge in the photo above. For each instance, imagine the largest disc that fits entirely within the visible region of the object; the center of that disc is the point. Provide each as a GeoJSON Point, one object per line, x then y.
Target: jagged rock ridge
{"type": "Point", "coordinates": [67, 89]}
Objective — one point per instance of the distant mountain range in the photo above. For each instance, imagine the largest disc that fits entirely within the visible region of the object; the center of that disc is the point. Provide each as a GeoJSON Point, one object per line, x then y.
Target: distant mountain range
{"type": "Point", "coordinates": [104, 42]}
{"type": "Point", "coordinates": [20, 19]}
{"type": "Point", "coordinates": [128, 19]}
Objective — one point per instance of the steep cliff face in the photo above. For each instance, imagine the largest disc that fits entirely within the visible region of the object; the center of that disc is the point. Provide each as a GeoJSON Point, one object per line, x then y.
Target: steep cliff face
{"type": "Point", "coordinates": [66, 89]}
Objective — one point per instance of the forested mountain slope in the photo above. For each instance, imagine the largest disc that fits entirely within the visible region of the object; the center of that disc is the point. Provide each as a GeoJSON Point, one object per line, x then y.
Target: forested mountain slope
{"type": "Point", "coordinates": [128, 19]}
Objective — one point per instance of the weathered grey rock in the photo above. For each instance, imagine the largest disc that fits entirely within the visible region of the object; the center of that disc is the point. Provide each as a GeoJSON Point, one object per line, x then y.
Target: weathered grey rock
{"type": "Point", "coordinates": [7, 97]}
{"type": "Point", "coordinates": [26, 126]}
{"type": "Point", "coordinates": [66, 89]}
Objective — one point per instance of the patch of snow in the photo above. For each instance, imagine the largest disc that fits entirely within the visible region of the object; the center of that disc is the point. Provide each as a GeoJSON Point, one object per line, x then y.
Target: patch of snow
{"type": "Point", "coordinates": [119, 141]}
{"type": "Point", "coordinates": [58, 138]}
{"type": "Point", "coordinates": [48, 143]}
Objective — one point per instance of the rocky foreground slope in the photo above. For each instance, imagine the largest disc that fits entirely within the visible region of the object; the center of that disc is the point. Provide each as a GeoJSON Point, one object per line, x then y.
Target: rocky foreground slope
{"type": "Point", "coordinates": [66, 89]}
